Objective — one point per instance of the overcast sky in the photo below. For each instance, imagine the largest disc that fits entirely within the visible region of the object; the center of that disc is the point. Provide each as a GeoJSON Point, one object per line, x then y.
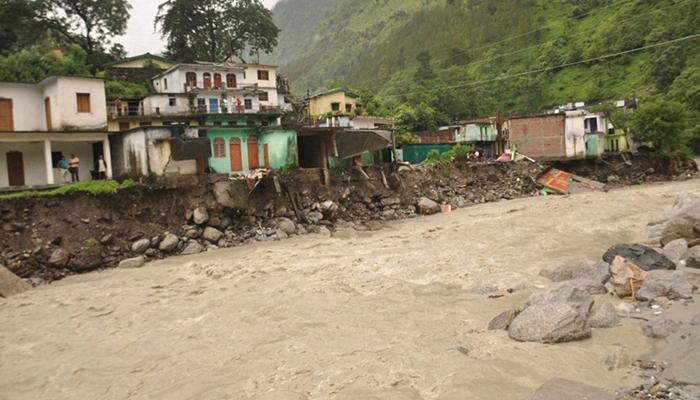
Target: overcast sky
{"type": "Point", "coordinates": [140, 37]}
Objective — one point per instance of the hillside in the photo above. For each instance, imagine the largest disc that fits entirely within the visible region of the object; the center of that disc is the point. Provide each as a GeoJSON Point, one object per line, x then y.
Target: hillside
{"type": "Point", "coordinates": [460, 55]}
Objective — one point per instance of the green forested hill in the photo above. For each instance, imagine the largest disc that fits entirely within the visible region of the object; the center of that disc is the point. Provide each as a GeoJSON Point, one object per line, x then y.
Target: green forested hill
{"type": "Point", "coordinates": [460, 56]}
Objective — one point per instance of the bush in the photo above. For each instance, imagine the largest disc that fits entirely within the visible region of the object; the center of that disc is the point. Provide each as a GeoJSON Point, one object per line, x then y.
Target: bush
{"type": "Point", "coordinates": [664, 124]}
{"type": "Point", "coordinates": [124, 89]}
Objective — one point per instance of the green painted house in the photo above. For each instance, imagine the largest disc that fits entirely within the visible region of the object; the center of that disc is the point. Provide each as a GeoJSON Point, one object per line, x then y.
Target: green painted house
{"type": "Point", "coordinates": [245, 149]}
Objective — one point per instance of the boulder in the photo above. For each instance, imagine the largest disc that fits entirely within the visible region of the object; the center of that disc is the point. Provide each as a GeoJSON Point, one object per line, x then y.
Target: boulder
{"type": "Point", "coordinates": [562, 389]}
{"type": "Point", "coordinates": [550, 323]}
{"type": "Point", "coordinates": [59, 258]}
{"type": "Point", "coordinates": [693, 260]}
{"type": "Point", "coordinates": [192, 247]}
{"type": "Point", "coordinates": [626, 277]}
{"type": "Point", "coordinates": [670, 284]}
{"type": "Point", "coordinates": [681, 227]}
{"type": "Point", "coordinates": [200, 215]}
{"type": "Point", "coordinates": [676, 250]}
{"type": "Point", "coordinates": [660, 328]}
{"type": "Point", "coordinates": [681, 354]}
{"type": "Point", "coordinates": [280, 234]}
{"type": "Point", "coordinates": [586, 269]}
{"type": "Point", "coordinates": [603, 316]}
{"type": "Point", "coordinates": [390, 201]}
{"type": "Point", "coordinates": [169, 243]}
{"type": "Point", "coordinates": [503, 320]}
{"type": "Point", "coordinates": [284, 224]}
{"type": "Point", "coordinates": [427, 206]}
{"type": "Point", "coordinates": [136, 262]}
{"type": "Point", "coordinates": [140, 246]}
{"type": "Point", "coordinates": [212, 234]}
{"type": "Point", "coordinates": [644, 257]}
{"type": "Point", "coordinates": [574, 293]}
{"type": "Point", "coordinates": [314, 217]}
{"type": "Point", "coordinates": [11, 284]}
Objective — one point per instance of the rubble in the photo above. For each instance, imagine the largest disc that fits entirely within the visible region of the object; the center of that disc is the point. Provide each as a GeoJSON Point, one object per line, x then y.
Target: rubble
{"type": "Point", "coordinates": [670, 284]}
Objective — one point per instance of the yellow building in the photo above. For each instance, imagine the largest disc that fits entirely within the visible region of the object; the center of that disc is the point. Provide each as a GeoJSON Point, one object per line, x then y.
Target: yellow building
{"type": "Point", "coordinates": [335, 101]}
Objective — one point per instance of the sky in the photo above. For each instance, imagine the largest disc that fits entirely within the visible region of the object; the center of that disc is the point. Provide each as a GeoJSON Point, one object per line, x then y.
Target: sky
{"type": "Point", "coordinates": [140, 36]}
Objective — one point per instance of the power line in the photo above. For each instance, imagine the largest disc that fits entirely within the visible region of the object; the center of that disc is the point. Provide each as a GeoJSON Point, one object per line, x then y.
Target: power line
{"type": "Point", "coordinates": [455, 55]}
{"type": "Point", "coordinates": [557, 67]}
{"type": "Point", "coordinates": [485, 60]}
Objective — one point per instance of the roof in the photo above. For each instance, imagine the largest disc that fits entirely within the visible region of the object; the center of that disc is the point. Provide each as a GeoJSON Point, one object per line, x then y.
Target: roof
{"type": "Point", "coordinates": [199, 64]}
{"type": "Point", "coordinates": [474, 121]}
{"type": "Point", "coordinates": [243, 64]}
{"type": "Point", "coordinates": [140, 57]}
{"type": "Point", "coordinates": [336, 90]}
{"type": "Point", "coordinates": [52, 77]}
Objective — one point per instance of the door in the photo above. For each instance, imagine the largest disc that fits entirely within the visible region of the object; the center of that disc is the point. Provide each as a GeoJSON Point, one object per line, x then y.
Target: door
{"type": "Point", "coordinates": [253, 153]}
{"type": "Point", "coordinates": [213, 106]}
{"type": "Point", "coordinates": [15, 168]}
{"type": "Point", "coordinates": [266, 154]}
{"type": "Point", "coordinates": [6, 121]}
{"type": "Point", "coordinates": [47, 109]}
{"type": "Point", "coordinates": [236, 157]}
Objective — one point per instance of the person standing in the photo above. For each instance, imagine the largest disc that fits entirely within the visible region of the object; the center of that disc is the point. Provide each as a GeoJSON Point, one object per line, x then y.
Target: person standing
{"type": "Point", "coordinates": [63, 168]}
{"type": "Point", "coordinates": [74, 168]}
{"type": "Point", "coordinates": [102, 167]}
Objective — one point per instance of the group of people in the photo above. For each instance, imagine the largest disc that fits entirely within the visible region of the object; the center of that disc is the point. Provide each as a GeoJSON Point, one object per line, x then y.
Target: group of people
{"type": "Point", "coordinates": [70, 169]}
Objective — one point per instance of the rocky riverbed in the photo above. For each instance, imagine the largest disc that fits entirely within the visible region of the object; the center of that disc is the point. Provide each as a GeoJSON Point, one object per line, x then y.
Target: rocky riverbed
{"type": "Point", "coordinates": [398, 313]}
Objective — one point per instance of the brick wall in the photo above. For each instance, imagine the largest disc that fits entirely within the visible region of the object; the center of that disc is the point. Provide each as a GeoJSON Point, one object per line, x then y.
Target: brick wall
{"type": "Point", "coordinates": [541, 137]}
{"type": "Point", "coordinates": [435, 137]}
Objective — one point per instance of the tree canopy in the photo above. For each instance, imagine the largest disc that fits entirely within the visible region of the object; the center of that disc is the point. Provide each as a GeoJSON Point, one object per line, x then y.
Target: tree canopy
{"type": "Point", "coordinates": [214, 30]}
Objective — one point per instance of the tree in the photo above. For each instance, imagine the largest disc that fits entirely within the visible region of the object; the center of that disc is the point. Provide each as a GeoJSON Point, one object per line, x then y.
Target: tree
{"type": "Point", "coordinates": [15, 34]}
{"type": "Point", "coordinates": [89, 23]}
{"type": "Point", "coordinates": [215, 30]}
{"type": "Point", "coordinates": [425, 69]}
{"type": "Point", "coordinates": [663, 123]}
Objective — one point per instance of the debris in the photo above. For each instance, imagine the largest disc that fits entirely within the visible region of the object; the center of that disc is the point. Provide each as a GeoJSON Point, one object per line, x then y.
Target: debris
{"type": "Point", "coordinates": [427, 206]}
{"type": "Point", "coordinates": [566, 183]}
{"type": "Point", "coordinates": [626, 277]}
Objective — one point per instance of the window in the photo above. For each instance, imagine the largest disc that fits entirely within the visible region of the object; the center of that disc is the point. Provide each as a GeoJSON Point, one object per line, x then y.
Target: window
{"type": "Point", "coordinates": [191, 78]}
{"type": "Point", "coordinates": [165, 83]}
{"type": "Point", "coordinates": [214, 106]}
{"type": "Point", "coordinates": [231, 80]}
{"type": "Point", "coordinates": [83, 102]}
{"type": "Point", "coordinates": [217, 81]}
{"type": "Point", "coordinates": [217, 123]}
{"type": "Point", "coordinates": [201, 106]}
{"type": "Point", "coordinates": [231, 123]}
{"type": "Point", "coordinates": [248, 104]}
{"type": "Point", "coordinates": [172, 101]}
{"type": "Point", "coordinates": [265, 123]}
{"type": "Point", "coordinates": [207, 80]}
{"type": "Point", "coordinates": [263, 96]}
{"type": "Point", "coordinates": [219, 148]}
{"type": "Point", "coordinates": [263, 75]}
{"type": "Point", "coordinates": [335, 106]}
{"type": "Point", "coordinates": [348, 108]}
{"type": "Point", "coordinates": [590, 125]}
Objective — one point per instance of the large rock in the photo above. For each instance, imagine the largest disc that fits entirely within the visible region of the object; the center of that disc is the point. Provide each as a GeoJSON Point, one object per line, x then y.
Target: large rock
{"type": "Point", "coordinates": [200, 215]}
{"type": "Point", "coordinates": [503, 320]}
{"type": "Point", "coordinates": [645, 257]}
{"type": "Point", "coordinates": [684, 215]}
{"type": "Point", "coordinates": [562, 389]}
{"type": "Point", "coordinates": [626, 277]}
{"type": "Point", "coordinates": [11, 284]}
{"type": "Point", "coordinates": [284, 224]}
{"type": "Point", "coordinates": [59, 258]}
{"type": "Point", "coordinates": [314, 217]}
{"type": "Point", "coordinates": [676, 250]}
{"type": "Point", "coordinates": [550, 323]}
{"type": "Point", "coordinates": [660, 328]}
{"type": "Point", "coordinates": [581, 270]}
{"type": "Point", "coordinates": [603, 316]}
{"type": "Point", "coordinates": [427, 206]}
{"type": "Point", "coordinates": [681, 353]}
{"type": "Point", "coordinates": [212, 234]}
{"type": "Point", "coordinates": [693, 260]}
{"type": "Point", "coordinates": [670, 284]}
{"type": "Point", "coordinates": [169, 243]}
{"type": "Point", "coordinates": [575, 293]}
{"type": "Point", "coordinates": [136, 262]}
{"type": "Point", "coordinates": [140, 246]}
{"type": "Point", "coordinates": [192, 247]}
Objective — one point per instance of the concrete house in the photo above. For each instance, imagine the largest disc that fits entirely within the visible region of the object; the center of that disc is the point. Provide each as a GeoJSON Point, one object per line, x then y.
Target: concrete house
{"type": "Point", "coordinates": [142, 61]}
{"type": "Point", "coordinates": [42, 122]}
{"type": "Point", "coordinates": [335, 101]}
{"type": "Point", "coordinates": [154, 109]}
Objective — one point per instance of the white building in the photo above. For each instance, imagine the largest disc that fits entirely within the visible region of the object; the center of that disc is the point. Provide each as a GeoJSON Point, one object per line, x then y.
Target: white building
{"type": "Point", "coordinates": [584, 134]}
{"type": "Point", "coordinates": [40, 123]}
{"type": "Point", "coordinates": [224, 88]}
